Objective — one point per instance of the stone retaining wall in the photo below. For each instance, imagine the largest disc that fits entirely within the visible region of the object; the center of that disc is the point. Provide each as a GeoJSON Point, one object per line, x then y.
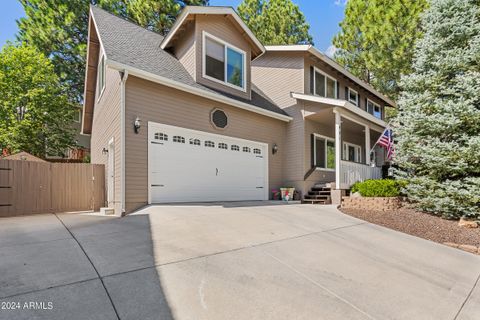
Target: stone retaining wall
{"type": "Point", "coordinates": [372, 203]}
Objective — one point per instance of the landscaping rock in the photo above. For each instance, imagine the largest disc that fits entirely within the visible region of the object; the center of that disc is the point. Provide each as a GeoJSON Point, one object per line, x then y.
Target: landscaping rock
{"type": "Point", "coordinates": [468, 248]}
{"type": "Point", "coordinates": [451, 244]}
{"type": "Point", "coordinates": [467, 223]}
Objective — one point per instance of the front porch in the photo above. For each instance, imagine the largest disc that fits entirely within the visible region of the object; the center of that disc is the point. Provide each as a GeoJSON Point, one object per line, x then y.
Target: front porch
{"type": "Point", "coordinates": [339, 144]}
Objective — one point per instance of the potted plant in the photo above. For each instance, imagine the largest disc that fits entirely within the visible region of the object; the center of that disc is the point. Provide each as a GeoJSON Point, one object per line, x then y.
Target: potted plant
{"type": "Point", "coordinates": [287, 193]}
{"type": "Point", "coordinates": [275, 194]}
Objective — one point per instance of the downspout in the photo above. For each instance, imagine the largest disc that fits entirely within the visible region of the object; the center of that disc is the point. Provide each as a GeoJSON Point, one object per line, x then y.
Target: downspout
{"type": "Point", "coordinates": [123, 76]}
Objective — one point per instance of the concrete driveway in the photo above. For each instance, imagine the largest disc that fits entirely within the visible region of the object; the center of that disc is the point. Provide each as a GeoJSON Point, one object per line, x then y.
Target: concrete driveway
{"type": "Point", "coordinates": [228, 261]}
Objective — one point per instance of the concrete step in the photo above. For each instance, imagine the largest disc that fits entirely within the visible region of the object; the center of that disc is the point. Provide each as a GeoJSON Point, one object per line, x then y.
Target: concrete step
{"type": "Point", "coordinates": [107, 211]}
{"type": "Point", "coordinates": [317, 197]}
{"type": "Point", "coordinates": [315, 201]}
{"type": "Point", "coordinates": [319, 192]}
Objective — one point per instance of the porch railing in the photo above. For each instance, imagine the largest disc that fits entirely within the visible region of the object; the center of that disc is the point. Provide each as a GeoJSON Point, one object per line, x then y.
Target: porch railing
{"type": "Point", "coordinates": [351, 172]}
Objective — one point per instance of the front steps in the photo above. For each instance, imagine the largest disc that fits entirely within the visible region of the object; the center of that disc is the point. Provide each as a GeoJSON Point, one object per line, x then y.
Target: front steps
{"type": "Point", "coordinates": [319, 194]}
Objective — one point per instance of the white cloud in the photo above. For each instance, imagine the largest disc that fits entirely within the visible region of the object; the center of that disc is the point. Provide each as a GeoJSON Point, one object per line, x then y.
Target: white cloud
{"type": "Point", "coordinates": [331, 51]}
{"type": "Point", "coordinates": [340, 2]}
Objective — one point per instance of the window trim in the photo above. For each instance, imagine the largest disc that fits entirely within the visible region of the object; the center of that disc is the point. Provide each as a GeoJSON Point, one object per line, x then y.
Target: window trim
{"type": "Point", "coordinates": [357, 147]}
{"type": "Point", "coordinates": [226, 45]}
{"type": "Point", "coordinates": [357, 104]}
{"type": "Point", "coordinates": [78, 116]}
{"type": "Point", "coordinates": [101, 67]}
{"type": "Point", "coordinates": [316, 135]}
{"type": "Point", "coordinates": [374, 105]}
{"type": "Point", "coordinates": [315, 70]}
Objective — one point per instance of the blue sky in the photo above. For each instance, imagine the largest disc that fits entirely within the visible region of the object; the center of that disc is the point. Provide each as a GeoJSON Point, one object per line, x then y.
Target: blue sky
{"type": "Point", "coordinates": [323, 16]}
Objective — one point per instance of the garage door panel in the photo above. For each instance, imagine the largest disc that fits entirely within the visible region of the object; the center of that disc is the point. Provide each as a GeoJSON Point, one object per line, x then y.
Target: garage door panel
{"type": "Point", "coordinates": [184, 167]}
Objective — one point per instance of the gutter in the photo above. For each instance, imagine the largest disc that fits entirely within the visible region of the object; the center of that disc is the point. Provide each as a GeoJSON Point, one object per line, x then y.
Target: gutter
{"type": "Point", "coordinates": [196, 91]}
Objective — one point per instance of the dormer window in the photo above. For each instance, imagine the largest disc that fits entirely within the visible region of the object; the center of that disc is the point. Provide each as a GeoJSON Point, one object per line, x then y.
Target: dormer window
{"type": "Point", "coordinates": [223, 62]}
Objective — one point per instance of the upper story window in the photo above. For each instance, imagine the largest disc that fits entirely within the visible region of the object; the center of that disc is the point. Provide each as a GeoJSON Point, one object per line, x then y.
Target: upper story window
{"type": "Point", "coordinates": [324, 85]}
{"type": "Point", "coordinates": [101, 75]}
{"type": "Point", "coordinates": [223, 62]}
{"type": "Point", "coordinates": [374, 109]}
{"type": "Point", "coordinates": [353, 97]}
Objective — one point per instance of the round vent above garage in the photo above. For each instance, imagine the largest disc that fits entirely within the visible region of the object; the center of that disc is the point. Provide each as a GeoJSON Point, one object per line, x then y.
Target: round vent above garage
{"type": "Point", "coordinates": [219, 118]}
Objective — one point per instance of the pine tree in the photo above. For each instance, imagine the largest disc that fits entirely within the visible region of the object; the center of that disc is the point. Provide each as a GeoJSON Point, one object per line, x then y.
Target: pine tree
{"type": "Point", "coordinates": [377, 38]}
{"type": "Point", "coordinates": [438, 127]}
{"type": "Point", "coordinates": [275, 22]}
{"type": "Point", "coordinates": [59, 29]}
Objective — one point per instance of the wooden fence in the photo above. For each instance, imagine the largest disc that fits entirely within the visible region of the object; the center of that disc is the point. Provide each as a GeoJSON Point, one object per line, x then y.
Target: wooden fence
{"type": "Point", "coordinates": [28, 187]}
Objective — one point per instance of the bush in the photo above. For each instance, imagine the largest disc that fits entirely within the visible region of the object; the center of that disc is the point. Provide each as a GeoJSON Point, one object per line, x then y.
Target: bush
{"type": "Point", "coordinates": [379, 188]}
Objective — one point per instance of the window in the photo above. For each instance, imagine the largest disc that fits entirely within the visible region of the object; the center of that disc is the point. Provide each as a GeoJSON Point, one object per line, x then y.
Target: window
{"type": "Point", "coordinates": [209, 144]}
{"type": "Point", "coordinates": [195, 142]}
{"type": "Point", "coordinates": [77, 116]}
{"type": "Point", "coordinates": [246, 149]}
{"type": "Point", "coordinates": [352, 152]}
{"type": "Point", "coordinates": [323, 152]}
{"type": "Point", "coordinates": [374, 109]}
{"type": "Point", "coordinates": [222, 145]}
{"type": "Point", "coordinates": [223, 62]}
{"type": "Point", "coordinates": [257, 151]}
{"type": "Point", "coordinates": [235, 147]}
{"type": "Point", "coordinates": [178, 139]}
{"type": "Point", "coordinates": [325, 86]}
{"type": "Point", "coordinates": [353, 96]}
{"type": "Point", "coordinates": [219, 118]}
{"type": "Point", "coordinates": [101, 75]}
{"type": "Point", "coordinates": [160, 136]}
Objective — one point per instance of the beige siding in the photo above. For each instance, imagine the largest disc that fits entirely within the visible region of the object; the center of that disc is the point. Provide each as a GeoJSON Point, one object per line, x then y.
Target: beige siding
{"type": "Point", "coordinates": [343, 83]}
{"type": "Point", "coordinates": [106, 125]}
{"type": "Point", "coordinates": [222, 28]}
{"type": "Point", "coordinates": [157, 103]}
{"type": "Point", "coordinates": [185, 49]}
{"type": "Point", "coordinates": [277, 75]}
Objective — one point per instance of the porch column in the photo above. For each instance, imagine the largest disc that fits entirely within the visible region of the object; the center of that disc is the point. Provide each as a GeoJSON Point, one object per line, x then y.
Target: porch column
{"type": "Point", "coordinates": [338, 148]}
{"type": "Point", "coordinates": [367, 145]}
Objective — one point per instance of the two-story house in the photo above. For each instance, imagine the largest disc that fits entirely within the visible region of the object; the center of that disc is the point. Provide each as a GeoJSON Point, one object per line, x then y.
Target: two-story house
{"type": "Point", "coordinates": [208, 113]}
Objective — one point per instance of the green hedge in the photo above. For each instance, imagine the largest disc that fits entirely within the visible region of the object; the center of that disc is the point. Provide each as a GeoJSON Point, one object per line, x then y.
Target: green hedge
{"type": "Point", "coordinates": [379, 188]}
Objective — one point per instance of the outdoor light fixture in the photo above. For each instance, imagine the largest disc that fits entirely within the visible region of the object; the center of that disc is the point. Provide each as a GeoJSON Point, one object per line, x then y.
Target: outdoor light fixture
{"type": "Point", "coordinates": [104, 151]}
{"type": "Point", "coordinates": [274, 148]}
{"type": "Point", "coordinates": [136, 125]}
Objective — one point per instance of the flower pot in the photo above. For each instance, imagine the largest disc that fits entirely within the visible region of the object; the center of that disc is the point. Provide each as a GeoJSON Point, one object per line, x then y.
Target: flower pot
{"type": "Point", "coordinates": [287, 193]}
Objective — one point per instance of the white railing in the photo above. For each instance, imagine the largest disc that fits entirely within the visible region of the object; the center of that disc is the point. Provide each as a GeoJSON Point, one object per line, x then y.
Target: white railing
{"type": "Point", "coordinates": [351, 172]}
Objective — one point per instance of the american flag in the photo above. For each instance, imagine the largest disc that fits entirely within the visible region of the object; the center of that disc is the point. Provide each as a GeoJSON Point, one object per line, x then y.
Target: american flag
{"type": "Point", "coordinates": [386, 141]}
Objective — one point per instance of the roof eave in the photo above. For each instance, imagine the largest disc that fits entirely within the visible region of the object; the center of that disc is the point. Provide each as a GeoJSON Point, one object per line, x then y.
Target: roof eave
{"type": "Point", "coordinates": [342, 104]}
{"type": "Point", "coordinates": [312, 50]}
{"type": "Point", "coordinates": [193, 90]}
{"type": "Point", "coordinates": [210, 10]}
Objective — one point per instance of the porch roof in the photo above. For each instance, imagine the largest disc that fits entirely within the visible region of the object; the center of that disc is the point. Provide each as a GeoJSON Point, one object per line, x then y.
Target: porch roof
{"type": "Point", "coordinates": [342, 105]}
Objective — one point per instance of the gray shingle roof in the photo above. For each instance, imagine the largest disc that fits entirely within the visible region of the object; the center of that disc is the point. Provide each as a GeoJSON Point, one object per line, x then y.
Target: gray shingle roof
{"type": "Point", "coordinates": [132, 45]}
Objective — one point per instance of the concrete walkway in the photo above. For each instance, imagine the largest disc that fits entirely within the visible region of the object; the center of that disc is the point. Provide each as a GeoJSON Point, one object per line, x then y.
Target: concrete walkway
{"type": "Point", "coordinates": [229, 261]}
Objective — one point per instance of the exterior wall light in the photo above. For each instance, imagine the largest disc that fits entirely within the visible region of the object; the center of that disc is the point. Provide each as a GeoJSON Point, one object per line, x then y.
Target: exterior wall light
{"type": "Point", "coordinates": [274, 148]}
{"type": "Point", "coordinates": [104, 151]}
{"type": "Point", "coordinates": [137, 124]}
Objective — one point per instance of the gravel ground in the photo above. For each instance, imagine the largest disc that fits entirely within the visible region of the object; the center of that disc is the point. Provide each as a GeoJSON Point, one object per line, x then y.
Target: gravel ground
{"type": "Point", "coordinates": [420, 224]}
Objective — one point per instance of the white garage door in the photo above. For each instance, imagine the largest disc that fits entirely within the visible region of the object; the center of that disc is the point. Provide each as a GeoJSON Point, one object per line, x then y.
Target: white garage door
{"type": "Point", "coordinates": [193, 166]}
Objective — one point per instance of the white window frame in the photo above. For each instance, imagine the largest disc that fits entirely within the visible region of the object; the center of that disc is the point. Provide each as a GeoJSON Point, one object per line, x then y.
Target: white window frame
{"type": "Point", "coordinates": [374, 105]}
{"type": "Point", "coordinates": [226, 45]}
{"type": "Point", "coordinates": [78, 116]}
{"type": "Point", "coordinates": [355, 103]}
{"type": "Point", "coordinates": [358, 152]}
{"type": "Point", "coordinates": [316, 135]}
{"type": "Point", "coordinates": [101, 68]}
{"type": "Point", "coordinates": [315, 70]}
